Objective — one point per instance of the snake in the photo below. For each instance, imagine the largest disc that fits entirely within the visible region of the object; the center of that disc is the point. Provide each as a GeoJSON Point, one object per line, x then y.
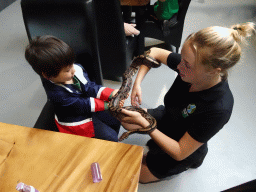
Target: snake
{"type": "Point", "coordinates": [123, 93]}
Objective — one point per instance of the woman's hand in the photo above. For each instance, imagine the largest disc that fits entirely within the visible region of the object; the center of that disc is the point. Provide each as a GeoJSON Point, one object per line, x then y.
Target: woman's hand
{"type": "Point", "coordinates": [134, 117]}
{"type": "Point", "coordinates": [136, 95]}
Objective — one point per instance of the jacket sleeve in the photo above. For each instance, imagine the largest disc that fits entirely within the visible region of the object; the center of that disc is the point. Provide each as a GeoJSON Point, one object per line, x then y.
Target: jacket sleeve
{"type": "Point", "coordinates": [98, 91]}
{"type": "Point", "coordinates": [91, 89]}
{"type": "Point", "coordinates": [78, 105]}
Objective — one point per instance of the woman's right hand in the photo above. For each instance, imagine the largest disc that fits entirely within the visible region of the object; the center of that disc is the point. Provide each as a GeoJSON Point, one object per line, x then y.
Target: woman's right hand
{"type": "Point", "coordinates": [133, 118]}
{"type": "Point", "coordinates": [136, 98]}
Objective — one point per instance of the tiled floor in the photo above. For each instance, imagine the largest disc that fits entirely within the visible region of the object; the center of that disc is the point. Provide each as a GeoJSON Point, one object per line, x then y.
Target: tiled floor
{"type": "Point", "coordinates": [231, 157]}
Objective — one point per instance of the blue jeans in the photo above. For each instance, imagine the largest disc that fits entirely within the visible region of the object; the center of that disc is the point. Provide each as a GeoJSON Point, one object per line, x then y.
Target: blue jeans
{"type": "Point", "coordinates": [106, 127]}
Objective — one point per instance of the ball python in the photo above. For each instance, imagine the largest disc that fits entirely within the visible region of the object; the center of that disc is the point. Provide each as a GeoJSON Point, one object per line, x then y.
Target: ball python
{"type": "Point", "coordinates": [123, 93]}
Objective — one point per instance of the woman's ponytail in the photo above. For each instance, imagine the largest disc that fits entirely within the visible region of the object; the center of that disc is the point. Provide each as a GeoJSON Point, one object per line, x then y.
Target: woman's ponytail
{"type": "Point", "coordinates": [223, 45]}
{"type": "Point", "coordinates": [240, 31]}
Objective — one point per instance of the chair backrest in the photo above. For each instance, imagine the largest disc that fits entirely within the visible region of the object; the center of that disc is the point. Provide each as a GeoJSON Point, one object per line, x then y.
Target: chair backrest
{"type": "Point", "coordinates": [71, 22]}
{"type": "Point", "coordinates": [175, 35]}
{"type": "Point", "coordinates": [46, 118]}
{"type": "Point", "coordinates": [91, 27]}
{"type": "Point", "coordinates": [183, 7]}
{"type": "Point", "coordinates": [111, 39]}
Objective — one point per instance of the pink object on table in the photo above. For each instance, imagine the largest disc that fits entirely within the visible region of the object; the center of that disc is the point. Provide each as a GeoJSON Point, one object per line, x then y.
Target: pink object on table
{"type": "Point", "coordinates": [21, 187]}
{"type": "Point", "coordinates": [96, 174]}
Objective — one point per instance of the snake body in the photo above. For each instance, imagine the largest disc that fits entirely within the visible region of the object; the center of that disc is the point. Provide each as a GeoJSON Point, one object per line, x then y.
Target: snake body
{"type": "Point", "coordinates": [123, 94]}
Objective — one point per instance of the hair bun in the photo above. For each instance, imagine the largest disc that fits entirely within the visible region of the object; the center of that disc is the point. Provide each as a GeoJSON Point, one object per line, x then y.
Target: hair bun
{"type": "Point", "coordinates": [243, 30]}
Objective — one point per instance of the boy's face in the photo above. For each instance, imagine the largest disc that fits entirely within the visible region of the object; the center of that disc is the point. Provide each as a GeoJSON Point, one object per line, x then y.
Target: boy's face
{"type": "Point", "coordinates": [65, 76]}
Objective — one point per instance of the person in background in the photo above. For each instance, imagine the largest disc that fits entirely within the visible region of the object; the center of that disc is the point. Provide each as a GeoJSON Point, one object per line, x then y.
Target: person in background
{"type": "Point", "coordinates": [196, 107]}
{"type": "Point", "coordinates": [163, 13]}
{"type": "Point", "coordinates": [130, 30]}
{"type": "Point", "coordinates": [165, 9]}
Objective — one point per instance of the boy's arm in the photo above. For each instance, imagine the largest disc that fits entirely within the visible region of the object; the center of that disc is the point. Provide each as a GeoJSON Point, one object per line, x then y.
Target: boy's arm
{"type": "Point", "coordinates": [105, 93]}
{"type": "Point", "coordinates": [99, 92]}
{"type": "Point", "coordinates": [91, 88]}
{"type": "Point", "coordinates": [79, 105]}
{"type": "Point", "coordinates": [98, 105]}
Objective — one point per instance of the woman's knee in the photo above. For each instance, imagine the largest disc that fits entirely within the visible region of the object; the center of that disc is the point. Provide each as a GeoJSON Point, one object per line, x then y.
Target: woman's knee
{"type": "Point", "coordinates": [145, 175]}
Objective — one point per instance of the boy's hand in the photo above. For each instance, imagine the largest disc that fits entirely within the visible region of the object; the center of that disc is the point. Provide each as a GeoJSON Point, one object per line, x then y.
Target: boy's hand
{"type": "Point", "coordinates": [115, 92]}
{"type": "Point", "coordinates": [121, 103]}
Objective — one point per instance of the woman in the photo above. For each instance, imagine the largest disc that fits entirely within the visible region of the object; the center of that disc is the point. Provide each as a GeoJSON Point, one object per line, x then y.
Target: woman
{"type": "Point", "coordinates": [198, 104]}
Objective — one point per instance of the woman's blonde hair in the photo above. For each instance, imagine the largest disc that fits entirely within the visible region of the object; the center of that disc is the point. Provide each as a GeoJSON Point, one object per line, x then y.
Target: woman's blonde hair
{"type": "Point", "coordinates": [220, 47]}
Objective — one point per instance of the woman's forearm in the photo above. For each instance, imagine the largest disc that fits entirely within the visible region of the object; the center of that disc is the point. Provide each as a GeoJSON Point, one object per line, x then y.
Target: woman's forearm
{"type": "Point", "coordinates": [160, 55]}
{"type": "Point", "coordinates": [167, 144]}
{"type": "Point", "coordinates": [177, 150]}
{"type": "Point", "coordinates": [141, 74]}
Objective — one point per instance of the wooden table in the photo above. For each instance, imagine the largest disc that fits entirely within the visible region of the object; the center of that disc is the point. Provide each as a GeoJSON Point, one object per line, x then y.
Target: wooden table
{"type": "Point", "coordinates": [58, 162]}
{"type": "Point", "coordinates": [134, 2]}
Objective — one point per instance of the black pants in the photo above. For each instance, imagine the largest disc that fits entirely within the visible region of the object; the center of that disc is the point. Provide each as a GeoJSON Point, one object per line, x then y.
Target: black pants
{"type": "Point", "coordinates": [162, 165]}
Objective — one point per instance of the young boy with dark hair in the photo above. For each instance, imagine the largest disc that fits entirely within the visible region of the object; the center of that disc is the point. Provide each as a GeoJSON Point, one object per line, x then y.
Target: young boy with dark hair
{"type": "Point", "coordinates": [79, 103]}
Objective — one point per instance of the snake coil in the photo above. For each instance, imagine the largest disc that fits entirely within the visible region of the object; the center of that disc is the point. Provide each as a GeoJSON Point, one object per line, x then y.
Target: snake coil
{"type": "Point", "coordinates": [123, 94]}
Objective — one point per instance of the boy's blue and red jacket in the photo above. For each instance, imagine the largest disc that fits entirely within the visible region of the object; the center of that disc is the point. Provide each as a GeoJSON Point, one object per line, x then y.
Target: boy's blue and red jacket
{"type": "Point", "coordinates": [73, 107]}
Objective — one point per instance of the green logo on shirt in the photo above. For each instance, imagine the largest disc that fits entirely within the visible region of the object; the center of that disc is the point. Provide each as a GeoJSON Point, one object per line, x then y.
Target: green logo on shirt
{"type": "Point", "coordinates": [189, 110]}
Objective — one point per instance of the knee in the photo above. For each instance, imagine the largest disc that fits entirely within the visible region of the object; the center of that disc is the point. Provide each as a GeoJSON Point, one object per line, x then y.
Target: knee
{"type": "Point", "coordinates": [146, 176]}
{"type": "Point", "coordinates": [142, 181]}
{"type": "Point", "coordinates": [148, 180]}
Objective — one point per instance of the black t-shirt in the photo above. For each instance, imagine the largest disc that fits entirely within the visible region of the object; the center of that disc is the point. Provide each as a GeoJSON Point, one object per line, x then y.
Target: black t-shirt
{"type": "Point", "coordinates": [202, 114]}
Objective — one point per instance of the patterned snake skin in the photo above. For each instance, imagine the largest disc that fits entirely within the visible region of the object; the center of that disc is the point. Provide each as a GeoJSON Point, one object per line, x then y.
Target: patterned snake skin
{"type": "Point", "coordinates": [123, 94]}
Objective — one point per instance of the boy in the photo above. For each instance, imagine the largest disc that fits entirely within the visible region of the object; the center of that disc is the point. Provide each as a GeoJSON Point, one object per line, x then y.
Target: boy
{"type": "Point", "coordinates": [79, 104]}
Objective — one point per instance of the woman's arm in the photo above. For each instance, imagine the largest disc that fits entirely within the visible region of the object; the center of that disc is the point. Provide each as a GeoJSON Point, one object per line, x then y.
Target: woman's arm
{"type": "Point", "coordinates": [136, 95]}
{"type": "Point", "coordinates": [161, 56]}
{"type": "Point", "coordinates": [177, 150]}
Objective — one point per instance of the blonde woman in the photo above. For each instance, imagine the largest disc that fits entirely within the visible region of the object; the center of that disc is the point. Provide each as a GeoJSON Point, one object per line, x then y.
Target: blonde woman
{"type": "Point", "coordinates": [198, 104]}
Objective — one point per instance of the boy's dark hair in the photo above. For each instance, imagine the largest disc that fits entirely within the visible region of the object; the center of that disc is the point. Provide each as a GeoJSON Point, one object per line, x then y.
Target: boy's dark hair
{"type": "Point", "coordinates": [48, 55]}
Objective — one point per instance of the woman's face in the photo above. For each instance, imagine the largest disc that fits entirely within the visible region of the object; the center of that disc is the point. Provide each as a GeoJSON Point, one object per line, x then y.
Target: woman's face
{"type": "Point", "coordinates": [189, 71]}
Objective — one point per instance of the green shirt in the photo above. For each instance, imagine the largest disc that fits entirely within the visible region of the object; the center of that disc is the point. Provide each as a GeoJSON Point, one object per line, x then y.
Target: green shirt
{"type": "Point", "coordinates": [165, 10]}
{"type": "Point", "coordinates": [77, 83]}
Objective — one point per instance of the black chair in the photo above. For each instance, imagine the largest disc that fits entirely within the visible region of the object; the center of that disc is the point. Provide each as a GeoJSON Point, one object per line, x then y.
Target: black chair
{"type": "Point", "coordinates": [93, 28]}
{"type": "Point", "coordinates": [116, 50]}
{"type": "Point", "coordinates": [46, 118]}
{"type": "Point", "coordinates": [173, 37]}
